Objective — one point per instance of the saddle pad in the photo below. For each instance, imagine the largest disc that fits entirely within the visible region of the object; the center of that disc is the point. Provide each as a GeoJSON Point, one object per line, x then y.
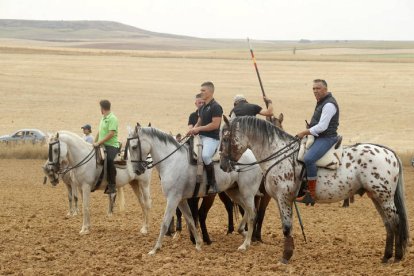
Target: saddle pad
{"type": "Point", "coordinates": [331, 159]}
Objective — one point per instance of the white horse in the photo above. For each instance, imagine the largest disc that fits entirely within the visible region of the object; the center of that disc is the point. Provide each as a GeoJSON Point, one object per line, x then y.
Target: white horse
{"type": "Point", "coordinates": [70, 184]}
{"type": "Point", "coordinates": [73, 187]}
{"type": "Point", "coordinates": [368, 168]}
{"type": "Point", "coordinates": [68, 150]}
{"type": "Point", "coordinates": [178, 179]}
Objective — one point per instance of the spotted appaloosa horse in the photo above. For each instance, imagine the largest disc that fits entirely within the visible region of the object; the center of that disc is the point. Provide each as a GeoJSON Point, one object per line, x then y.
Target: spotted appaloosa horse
{"type": "Point", "coordinates": [369, 168]}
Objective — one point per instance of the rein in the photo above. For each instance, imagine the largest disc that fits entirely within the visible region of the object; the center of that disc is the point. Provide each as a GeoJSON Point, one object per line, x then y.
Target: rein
{"type": "Point", "coordinates": [57, 163]}
{"type": "Point", "coordinates": [150, 164]}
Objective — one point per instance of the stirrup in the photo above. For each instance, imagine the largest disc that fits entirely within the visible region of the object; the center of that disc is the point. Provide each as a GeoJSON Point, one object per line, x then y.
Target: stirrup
{"type": "Point", "coordinates": [307, 199]}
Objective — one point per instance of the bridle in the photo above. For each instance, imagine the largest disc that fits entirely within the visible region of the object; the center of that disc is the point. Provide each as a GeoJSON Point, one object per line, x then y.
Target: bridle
{"type": "Point", "coordinates": [147, 163]}
{"type": "Point", "coordinates": [56, 169]}
{"type": "Point", "coordinates": [280, 155]}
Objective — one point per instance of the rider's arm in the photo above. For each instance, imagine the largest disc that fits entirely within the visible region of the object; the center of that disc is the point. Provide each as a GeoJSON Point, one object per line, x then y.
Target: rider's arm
{"type": "Point", "coordinates": [328, 111]}
{"type": "Point", "coordinates": [269, 111]}
{"type": "Point", "coordinates": [110, 134]}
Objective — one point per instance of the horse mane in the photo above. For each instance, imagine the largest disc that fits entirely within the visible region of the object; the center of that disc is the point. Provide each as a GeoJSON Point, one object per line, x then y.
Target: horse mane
{"type": "Point", "coordinates": [160, 135]}
{"type": "Point", "coordinates": [260, 130]}
{"type": "Point", "coordinates": [74, 135]}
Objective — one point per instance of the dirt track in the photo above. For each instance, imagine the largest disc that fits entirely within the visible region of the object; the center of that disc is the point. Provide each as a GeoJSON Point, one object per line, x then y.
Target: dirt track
{"type": "Point", "coordinates": [37, 238]}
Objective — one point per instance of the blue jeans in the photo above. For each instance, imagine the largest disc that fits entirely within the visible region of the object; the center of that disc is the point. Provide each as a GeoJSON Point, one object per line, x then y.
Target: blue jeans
{"type": "Point", "coordinates": [316, 151]}
{"type": "Point", "coordinates": [210, 146]}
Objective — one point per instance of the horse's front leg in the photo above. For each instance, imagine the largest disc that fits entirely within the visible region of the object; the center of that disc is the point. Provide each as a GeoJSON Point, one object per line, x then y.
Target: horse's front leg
{"type": "Point", "coordinates": [75, 199]}
{"type": "Point", "coordinates": [172, 203]}
{"type": "Point", "coordinates": [250, 214]}
{"type": "Point", "coordinates": [69, 188]}
{"type": "Point", "coordinates": [286, 212]}
{"type": "Point", "coordinates": [86, 191]}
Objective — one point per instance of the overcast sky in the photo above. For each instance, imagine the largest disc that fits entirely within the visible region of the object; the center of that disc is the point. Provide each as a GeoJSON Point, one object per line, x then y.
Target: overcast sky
{"type": "Point", "coordinates": [258, 19]}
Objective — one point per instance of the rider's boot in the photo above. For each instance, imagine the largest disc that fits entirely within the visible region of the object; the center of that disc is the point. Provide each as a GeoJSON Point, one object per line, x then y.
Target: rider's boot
{"type": "Point", "coordinates": [211, 179]}
{"type": "Point", "coordinates": [309, 197]}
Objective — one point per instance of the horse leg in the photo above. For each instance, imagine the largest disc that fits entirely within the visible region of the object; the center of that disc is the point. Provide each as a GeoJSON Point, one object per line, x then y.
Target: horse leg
{"type": "Point", "coordinates": [346, 203]}
{"type": "Point", "coordinates": [203, 211]}
{"type": "Point", "coordinates": [257, 231]}
{"type": "Point", "coordinates": [86, 191]}
{"type": "Point", "coordinates": [111, 204]}
{"type": "Point", "coordinates": [179, 215]}
{"type": "Point", "coordinates": [286, 213]}
{"type": "Point", "coordinates": [389, 242]}
{"type": "Point", "coordinates": [75, 198]}
{"type": "Point", "coordinates": [229, 208]}
{"type": "Point", "coordinates": [172, 204]}
{"type": "Point", "coordinates": [186, 211]}
{"type": "Point", "coordinates": [249, 207]}
{"type": "Point", "coordinates": [144, 201]}
{"type": "Point", "coordinates": [69, 188]}
{"type": "Point", "coordinates": [193, 203]}
{"type": "Point", "coordinates": [171, 227]}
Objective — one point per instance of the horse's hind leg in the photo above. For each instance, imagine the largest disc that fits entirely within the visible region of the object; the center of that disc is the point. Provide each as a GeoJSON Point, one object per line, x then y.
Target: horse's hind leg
{"type": "Point", "coordinates": [257, 231]}
{"type": "Point", "coordinates": [172, 204]}
{"type": "Point", "coordinates": [141, 191]}
{"type": "Point", "coordinates": [203, 212]}
{"type": "Point", "coordinates": [111, 204]}
{"type": "Point", "coordinates": [389, 242]}
{"type": "Point", "coordinates": [185, 209]}
{"type": "Point", "coordinates": [228, 204]}
{"type": "Point", "coordinates": [75, 199]}
{"type": "Point", "coordinates": [86, 191]}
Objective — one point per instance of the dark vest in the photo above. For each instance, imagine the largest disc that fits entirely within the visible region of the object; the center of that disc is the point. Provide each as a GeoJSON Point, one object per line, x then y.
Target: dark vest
{"type": "Point", "coordinates": [331, 131]}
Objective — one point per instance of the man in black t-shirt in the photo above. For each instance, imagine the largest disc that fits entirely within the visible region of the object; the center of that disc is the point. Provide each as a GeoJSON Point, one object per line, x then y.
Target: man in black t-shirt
{"type": "Point", "coordinates": [192, 120]}
{"type": "Point", "coordinates": [243, 108]}
{"type": "Point", "coordinates": [208, 126]}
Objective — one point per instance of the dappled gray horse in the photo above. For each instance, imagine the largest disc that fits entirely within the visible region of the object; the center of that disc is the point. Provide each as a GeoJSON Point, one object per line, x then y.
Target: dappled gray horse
{"type": "Point", "coordinates": [369, 168]}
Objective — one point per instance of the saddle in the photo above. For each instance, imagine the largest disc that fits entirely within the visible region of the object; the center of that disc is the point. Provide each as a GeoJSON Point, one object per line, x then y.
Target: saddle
{"type": "Point", "coordinates": [119, 161]}
{"type": "Point", "coordinates": [331, 159]}
{"type": "Point", "coordinates": [196, 147]}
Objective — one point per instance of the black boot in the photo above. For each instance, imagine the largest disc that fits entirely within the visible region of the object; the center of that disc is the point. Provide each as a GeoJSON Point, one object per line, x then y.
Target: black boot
{"type": "Point", "coordinates": [211, 179]}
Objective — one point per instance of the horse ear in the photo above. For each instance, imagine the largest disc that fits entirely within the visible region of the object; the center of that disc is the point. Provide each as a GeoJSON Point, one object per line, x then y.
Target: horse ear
{"type": "Point", "coordinates": [57, 135]}
{"type": "Point", "coordinates": [138, 124]}
{"type": "Point", "coordinates": [149, 124]}
{"type": "Point", "coordinates": [281, 117]}
{"type": "Point", "coordinates": [226, 121]}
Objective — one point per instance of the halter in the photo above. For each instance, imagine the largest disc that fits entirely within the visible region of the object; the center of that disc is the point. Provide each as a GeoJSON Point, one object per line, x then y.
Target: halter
{"type": "Point", "coordinates": [145, 164]}
{"type": "Point", "coordinates": [55, 165]}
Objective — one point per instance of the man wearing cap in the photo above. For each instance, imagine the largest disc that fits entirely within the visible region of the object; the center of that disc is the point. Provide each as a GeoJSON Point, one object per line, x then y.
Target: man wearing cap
{"type": "Point", "coordinates": [243, 108]}
{"type": "Point", "coordinates": [87, 130]}
{"type": "Point", "coordinates": [193, 118]}
{"type": "Point", "coordinates": [108, 137]}
{"type": "Point", "coordinates": [208, 126]}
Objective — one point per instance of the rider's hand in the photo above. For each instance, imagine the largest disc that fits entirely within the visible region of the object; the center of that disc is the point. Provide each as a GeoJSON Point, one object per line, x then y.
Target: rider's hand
{"type": "Point", "coordinates": [193, 131]}
{"type": "Point", "coordinates": [96, 145]}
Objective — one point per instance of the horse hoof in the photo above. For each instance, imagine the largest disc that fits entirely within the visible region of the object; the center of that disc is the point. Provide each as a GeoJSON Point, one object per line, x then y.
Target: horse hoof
{"type": "Point", "coordinates": [208, 242]}
{"type": "Point", "coordinates": [84, 232]}
{"type": "Point", "coordinates": [176, 235]}
{"type": "Point", "coordinates": [397, 260]}
{"type": "Point", "coordinates": [242, 247]}
{"type": "Point", "coordinates": [198, 247]}
{"type": "Point", "coordinates": [152, 252]}
{"type": "Point", "coordinates": [284, 261]}
{"type": "Point", "coordinates": [144, 230]}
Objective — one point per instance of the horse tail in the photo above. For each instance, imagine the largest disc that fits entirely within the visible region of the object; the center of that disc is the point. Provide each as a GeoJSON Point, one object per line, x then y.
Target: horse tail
{"type": "Point", "coordinates": [121, 202]}
{"type": "Point", "coordinates": [399, 201]}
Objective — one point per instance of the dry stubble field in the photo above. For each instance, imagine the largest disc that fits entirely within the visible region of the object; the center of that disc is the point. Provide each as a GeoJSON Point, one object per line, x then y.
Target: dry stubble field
{"type": "Point", "coordinates": [53, 92]}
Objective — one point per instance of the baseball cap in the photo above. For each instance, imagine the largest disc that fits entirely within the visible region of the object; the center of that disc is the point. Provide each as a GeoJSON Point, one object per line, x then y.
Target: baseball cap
{"type": "Point", "coordinates": [87, 126]}
{"type": "Point", "coordinates": [239, 98]}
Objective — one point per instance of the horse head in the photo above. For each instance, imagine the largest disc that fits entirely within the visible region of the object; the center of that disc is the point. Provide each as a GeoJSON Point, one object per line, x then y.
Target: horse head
{"type": "Point", "coordinates": [138, 150]}
{"type": "Point", "coordinates": [232, 146]}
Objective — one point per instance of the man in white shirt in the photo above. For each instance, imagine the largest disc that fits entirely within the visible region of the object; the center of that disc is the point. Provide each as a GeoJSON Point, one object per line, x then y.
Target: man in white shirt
{"type": "Point", "coordinates": [87, 130]}
{"type": "Point", "coordinates": [323, 126]}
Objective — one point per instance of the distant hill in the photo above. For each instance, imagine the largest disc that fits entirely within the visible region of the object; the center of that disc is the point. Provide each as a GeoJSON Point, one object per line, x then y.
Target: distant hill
{"type": "Point", "coordinates": [103, 34]}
